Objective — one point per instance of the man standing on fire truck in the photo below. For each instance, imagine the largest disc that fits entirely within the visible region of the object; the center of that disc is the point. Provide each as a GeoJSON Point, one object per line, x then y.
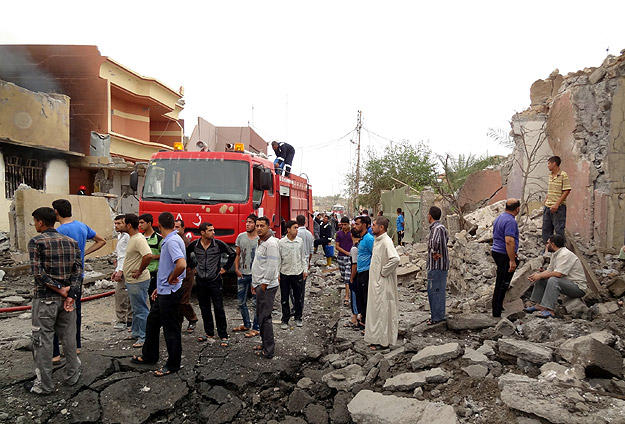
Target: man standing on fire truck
{"type": "Point", "coordinates": [284, 157]}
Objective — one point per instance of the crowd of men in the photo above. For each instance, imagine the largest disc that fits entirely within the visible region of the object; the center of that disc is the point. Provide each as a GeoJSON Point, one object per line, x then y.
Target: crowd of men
{"type": "Point", "coordinates": [155, 272]}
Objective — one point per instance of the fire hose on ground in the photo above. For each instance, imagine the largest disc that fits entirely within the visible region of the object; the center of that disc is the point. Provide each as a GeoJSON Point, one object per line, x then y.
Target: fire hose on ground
{"type": "Point", "coordinates": [82, 299]}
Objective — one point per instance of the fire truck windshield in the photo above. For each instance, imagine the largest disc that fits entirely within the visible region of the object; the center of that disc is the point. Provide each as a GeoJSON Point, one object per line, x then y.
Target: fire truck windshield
{"type": "Point", "coordinates": [197, 181]}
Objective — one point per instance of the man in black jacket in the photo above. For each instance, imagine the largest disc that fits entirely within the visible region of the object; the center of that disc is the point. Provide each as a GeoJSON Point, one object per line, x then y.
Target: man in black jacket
{"type": "Point", "coordinates": [204, 255]}
{"type": "Point", "coordinates": [284, 156]}
{"type": "Point", "coordinates": [325, 234]}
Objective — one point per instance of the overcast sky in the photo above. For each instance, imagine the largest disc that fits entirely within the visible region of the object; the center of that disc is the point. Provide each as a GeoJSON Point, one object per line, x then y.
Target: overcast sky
{"type": "Point", "coordinates": [441, 72]}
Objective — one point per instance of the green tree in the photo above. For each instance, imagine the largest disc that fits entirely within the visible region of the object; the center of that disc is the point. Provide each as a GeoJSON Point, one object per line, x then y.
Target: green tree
{"type": "Point", "coordinates": [456, 170]}
{"type": "Point", "coordinates": [412, 164]}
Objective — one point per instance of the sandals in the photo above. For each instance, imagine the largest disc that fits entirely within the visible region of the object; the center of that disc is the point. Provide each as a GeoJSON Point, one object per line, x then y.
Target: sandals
{"type": "Point", "coordinates": [241, 328]}
{"type": "Point", "coordinates": [191, 327]}
{"type": "Point", "coordinates": [431, 322]}
{"type": "Point", "coordinates": [202, 339]}
{"type": "Point", "coordinates": [262, 353]}
{"type": "Point", "coordinates": [530, 309]}
{"type": "Point", "coordinates": [258, 347]}
{"type": "Point", "coordinates": [252, 333]}
{"type": "Point", "coordinates": [162, 372]}
{"type": "Point", "coordinates": [545, 314]}
{"type": "Point", "coordinates": [224, 343]}
{"type": "Point", "coordinates": [139, 360]}
{"type": "Point", "coordinates": [137, 345]}
{"type": "Point", "coordinates": [374, 347]}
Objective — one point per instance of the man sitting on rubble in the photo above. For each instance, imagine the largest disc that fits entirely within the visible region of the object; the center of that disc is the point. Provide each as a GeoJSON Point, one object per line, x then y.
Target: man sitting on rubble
{"type": "Point", "coordinates": [564, 275]}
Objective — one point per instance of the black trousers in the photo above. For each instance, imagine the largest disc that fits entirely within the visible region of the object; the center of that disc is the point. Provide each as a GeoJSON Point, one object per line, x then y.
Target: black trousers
{"type": "Point", "coordinates": [362, 285]}
{"type": "Point", "coordinates": [212, 291]}
{"type": "Point", "coordinates": [164, 313]}
{"type": "Point", "coordinates": [503, 281]}
{"type": "Point", "coordinates": [152, 286]}
{"type": "Point", "coordinates": [288, 283]}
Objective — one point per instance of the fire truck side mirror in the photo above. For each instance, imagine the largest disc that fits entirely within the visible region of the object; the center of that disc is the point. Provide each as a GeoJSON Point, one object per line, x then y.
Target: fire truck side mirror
{"type": "Point", "coordinates": [134, 180]}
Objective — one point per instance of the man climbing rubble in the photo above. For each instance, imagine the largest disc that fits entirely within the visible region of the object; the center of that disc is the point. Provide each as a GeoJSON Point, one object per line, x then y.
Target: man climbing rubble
{"type": "Point", "coordinates": [564, 275]}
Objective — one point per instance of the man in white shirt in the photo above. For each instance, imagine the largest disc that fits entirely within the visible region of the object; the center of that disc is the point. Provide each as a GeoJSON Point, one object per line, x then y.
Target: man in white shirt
{"type": "Point", "coordinates": [265, 271]}
{"type": "Point", "coordinates": [309, 241]}
{"type": "Point", "coordinates": [293, 270]}
{"type": "Point", "coordinates": [564, 275]}
{"type": "Point", "coordinates": [122, 301]}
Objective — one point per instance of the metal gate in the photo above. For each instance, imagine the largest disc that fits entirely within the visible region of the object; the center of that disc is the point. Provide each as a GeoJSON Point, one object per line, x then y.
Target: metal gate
{"type": "Point", "coordinates": [23, 170]}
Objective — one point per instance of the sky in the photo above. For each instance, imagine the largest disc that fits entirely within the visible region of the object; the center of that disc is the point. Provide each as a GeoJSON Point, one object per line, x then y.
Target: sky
{"type": "Point", "coordinates": [438, 72]}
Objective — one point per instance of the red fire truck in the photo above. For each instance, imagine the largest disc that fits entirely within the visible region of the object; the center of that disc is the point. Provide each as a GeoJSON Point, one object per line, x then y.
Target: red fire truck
{"type": "Point", "coordinates": [222, 188]}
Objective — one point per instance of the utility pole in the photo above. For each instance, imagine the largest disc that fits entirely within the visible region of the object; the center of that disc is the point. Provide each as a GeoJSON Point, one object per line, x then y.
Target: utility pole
{"type": "Point", "coordinates": [358, 127]}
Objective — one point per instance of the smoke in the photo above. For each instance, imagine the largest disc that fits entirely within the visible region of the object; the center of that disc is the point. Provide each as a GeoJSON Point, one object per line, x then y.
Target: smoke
{"type": "Point", "coordinates": [18, 66]}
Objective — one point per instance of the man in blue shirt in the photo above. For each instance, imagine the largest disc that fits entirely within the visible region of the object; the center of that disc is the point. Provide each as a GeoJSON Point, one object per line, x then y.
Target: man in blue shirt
{"type": "Point", "coordinates": [365, 250]}
{"type": "Point", "coordinates": [399, 223]}
{"type": "Point", "coordinates": [166, 311]}
{"type": "Point", "coordinates": [81, 233]}
{"type": "Point", "coordinates": [504, 251]}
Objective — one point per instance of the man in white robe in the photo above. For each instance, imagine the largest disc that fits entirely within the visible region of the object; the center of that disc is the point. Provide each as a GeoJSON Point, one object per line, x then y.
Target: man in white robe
{"type": "Point", "coordinates": [382, 315]}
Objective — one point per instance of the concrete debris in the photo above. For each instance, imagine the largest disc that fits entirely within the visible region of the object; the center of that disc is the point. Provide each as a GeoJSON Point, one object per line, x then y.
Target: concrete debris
{"type": "Point", "coordinates": [528, 351]}
{"type": "Point", "coordinates": [476, 371]}
{"type": "Point", "coordinates": [435, 355]}
{"type": "Point", "coordinates": [410, 380]}
{"type": "Point", "coordinates": [344, 379]}
{"type": "Point", "coordinates": [598, 359]}
{"type": "Point", "coordinates": [555, 404]}
{"type": "Point", "coordinates": [470, 322]}
{"type": "Point", "coordinates": [375, 408]}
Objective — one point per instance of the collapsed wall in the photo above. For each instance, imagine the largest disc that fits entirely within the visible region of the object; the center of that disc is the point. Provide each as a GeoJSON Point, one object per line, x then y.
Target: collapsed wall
{"type": "Point", "coordinates": [581, 118]}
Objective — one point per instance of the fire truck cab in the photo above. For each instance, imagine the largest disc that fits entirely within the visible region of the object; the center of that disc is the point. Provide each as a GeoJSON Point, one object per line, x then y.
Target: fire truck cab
{"type": "Point", "coordinates": [221, 188]}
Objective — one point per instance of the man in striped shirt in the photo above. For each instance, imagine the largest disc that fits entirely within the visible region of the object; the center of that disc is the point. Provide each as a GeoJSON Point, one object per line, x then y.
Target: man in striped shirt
{"type": "Point", "coordinates": [437, 266]}
{"type": "Point", "coordinates": [554, 212]}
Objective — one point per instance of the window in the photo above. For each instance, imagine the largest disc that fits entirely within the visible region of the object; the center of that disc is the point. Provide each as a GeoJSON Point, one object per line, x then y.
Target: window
{"type": "Point", "coordinates": [21, 170]}
{"type": "Point", "coordinates": [197, 181]}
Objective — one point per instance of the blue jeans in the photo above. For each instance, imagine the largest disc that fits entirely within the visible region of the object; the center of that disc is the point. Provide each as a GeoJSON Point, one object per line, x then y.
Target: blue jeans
{"type": "Point", "coordinates": [138, 294]}
{"type": "Point", "coordinates": [553, 222]}
{"type": "Point", "coordinates": [437, 283]}
{"type": "Point", "coordinates": [243, 289]}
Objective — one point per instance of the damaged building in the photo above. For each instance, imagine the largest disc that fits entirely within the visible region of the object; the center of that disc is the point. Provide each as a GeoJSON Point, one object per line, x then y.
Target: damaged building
{"type": "Point", "coordinates": [581, 118]}
{"type": "Point", "coordinates": [117, 117]}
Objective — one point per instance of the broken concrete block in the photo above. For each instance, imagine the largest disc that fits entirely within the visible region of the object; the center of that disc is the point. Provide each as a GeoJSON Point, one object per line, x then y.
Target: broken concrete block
{"type": "Point", "coordinates": [552, 371]}
{"type": "Point", "coordinates": [597, 75]}
{"type": "Point", "coordinates": [520, 284]}
{"type": "Point", "coordinates": [556, 405]}
{"type": "Point", "coordinates": [605, 308]}
{"type": "Point", "coordinates": [575, 307]}
{"type": "Point", "coordinates": [344, 379]}
{"type": "Point", "coordinates": [476, 371]}
{"type": "Point", "coordinates": [410, 380]}
{"type": "Point", "coordinates": [434, 355]}
{"type": "Point", "coordinates": [604, 337]}
{"type": "Point", "coordinates": [369, 407]}
{"type": "Point", "coordinates": [505, 328]}
{"type": "Point", "coordinates": [528, 351]}
{"type": "Point", "coordinates": [598, 359]}
{"type": "Point", "coordinates": [476, 356]}
{"type": "Point", "coordinates": [470, 322]}
{"type": "Point", "coordinates": [617, 287]}
{"type": "Point", "coordinates": [14, 300]}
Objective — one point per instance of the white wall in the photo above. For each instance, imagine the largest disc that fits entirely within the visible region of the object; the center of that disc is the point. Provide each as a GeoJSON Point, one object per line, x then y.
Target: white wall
{"type": "Point", "coordinates": [5, 203]}
{"type": "Point", "coordinates": [57, 177]}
